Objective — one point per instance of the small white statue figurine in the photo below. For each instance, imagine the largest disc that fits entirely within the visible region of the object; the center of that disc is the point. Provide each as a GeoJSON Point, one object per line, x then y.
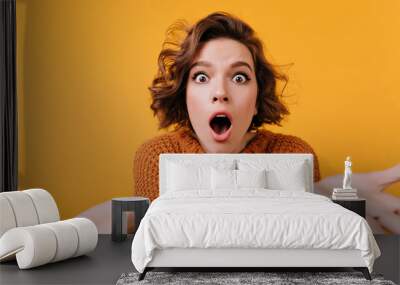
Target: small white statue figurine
{"type": "Point", "coordinates": [347, 174]}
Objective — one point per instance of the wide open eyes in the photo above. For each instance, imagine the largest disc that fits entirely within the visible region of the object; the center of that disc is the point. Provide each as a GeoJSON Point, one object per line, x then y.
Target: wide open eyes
{"type": "Point", "coordinates": [200, 77]}
{"type": "Point", "coordinates": [240, 77]}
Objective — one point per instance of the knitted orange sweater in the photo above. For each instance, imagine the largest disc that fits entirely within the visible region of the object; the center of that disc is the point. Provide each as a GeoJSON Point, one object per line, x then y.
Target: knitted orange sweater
{"type": "Point", "coordinates": [145, 168]}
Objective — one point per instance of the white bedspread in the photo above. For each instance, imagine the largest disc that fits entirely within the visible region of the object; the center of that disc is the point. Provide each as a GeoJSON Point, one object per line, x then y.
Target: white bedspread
{"type": "Point", "coordinates": [252, 218]}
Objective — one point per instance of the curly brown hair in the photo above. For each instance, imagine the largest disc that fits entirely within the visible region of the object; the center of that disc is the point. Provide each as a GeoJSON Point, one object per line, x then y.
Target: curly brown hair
{"type": "Point", "coordinates": [168, 88]}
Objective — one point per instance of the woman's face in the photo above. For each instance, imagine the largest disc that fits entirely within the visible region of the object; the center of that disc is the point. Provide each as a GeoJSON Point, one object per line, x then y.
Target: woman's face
{"type": "Point", "coordinates": [221, 95]}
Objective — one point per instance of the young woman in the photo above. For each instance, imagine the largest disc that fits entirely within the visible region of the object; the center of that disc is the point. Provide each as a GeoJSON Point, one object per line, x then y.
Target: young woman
{"type": "Point", "coordinates": [217, 90]}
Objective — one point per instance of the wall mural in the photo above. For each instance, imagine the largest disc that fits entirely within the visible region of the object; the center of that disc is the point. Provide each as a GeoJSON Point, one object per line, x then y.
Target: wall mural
{"type": "Point", "coordinates": [217, 87]}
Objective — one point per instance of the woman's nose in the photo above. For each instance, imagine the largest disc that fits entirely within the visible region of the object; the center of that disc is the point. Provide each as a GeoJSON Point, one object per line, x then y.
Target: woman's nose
{"type": "Point", "coordinates": [220, 94]}
{"type": "Point", "coordinates": [222, 98]}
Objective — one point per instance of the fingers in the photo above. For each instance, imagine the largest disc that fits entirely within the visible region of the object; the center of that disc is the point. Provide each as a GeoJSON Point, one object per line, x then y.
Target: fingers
{"type": "Point", "coordinates": [391, 222]}
{"type": "Point", "coordinates": [388, 176]}
{"type": "Point", "coordinates": [385, 210]}
{"type": "Point", "coordinates": [326, 185]}
{"type": "Point", "coordinates": [389, 203]}
{"type": "Point", "coordinates": [375, 226]}
{"type": "Point", "coordinates": [100, 215]}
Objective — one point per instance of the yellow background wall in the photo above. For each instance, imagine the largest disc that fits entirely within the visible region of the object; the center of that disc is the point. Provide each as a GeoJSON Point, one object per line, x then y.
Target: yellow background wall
{"type": "Point", "coordinates": [84, 67]}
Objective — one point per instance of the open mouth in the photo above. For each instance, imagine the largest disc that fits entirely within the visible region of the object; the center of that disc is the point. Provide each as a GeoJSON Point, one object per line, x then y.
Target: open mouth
{"type": "Point", "coordinates": [220, 125]}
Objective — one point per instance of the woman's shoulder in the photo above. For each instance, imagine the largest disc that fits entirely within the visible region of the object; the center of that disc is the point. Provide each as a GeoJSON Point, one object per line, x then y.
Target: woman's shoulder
{"type": "Point", "coordinates": [289, 143]}
{"type": "Point", "coordinates": [180, 140]}
{"type": "Point", "coordinates": [282, 143]}
{"type": "Point", "coordinates": [167, 142]}
{"type": "Point", "coordinates": [271, 142]}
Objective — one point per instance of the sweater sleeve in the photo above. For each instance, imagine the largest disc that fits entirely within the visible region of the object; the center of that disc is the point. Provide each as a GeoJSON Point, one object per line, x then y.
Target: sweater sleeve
{"type": "Point", "coordinates": [291, 144]}
{"type": "Point", "coordinates": [145, 165]}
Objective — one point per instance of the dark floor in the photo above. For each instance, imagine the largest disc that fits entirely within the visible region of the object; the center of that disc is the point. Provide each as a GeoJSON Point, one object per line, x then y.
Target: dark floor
{"type": "Point", "coordinates": [110, 260]}
{"type": "Point", "coordinates": [389, 262]}
{"type": "Point", "coordinates": [102, 266]}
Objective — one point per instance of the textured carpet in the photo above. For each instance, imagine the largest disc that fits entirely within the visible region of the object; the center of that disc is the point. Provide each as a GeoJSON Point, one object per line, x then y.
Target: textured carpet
{"type": "Point", "coordinates": [270, 278]}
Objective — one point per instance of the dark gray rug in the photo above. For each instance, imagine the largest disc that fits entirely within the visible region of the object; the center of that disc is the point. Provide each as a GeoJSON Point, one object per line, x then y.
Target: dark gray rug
{"type": "Point", "coordinates": [269, 278]}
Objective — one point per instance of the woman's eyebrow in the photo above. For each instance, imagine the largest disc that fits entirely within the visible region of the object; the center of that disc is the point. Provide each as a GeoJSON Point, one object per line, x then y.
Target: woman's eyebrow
{"type": "Point", "coordinates": [208, 64]}
{"type": "Point", "coordinates": [241, 63]}
{"type": "Point", "coordinates": [200, 63]}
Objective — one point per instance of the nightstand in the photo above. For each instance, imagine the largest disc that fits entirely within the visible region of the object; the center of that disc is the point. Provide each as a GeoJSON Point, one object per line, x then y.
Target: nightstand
{"type": "Point", "coordinates": [120, 207]}
{"type": "Point", "coordinates": [356, 205]}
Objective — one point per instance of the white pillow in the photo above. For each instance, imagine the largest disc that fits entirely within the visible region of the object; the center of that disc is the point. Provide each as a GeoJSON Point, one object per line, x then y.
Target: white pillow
{"type": "Point", "coordinates": [288, 179]}
{"type": "Point", "coordinates": [184, 178]}
{"type": "Point", "coordinates": [236, 179]}
{"type": "Point", "coordinates": [282, 174]}
{"type": "Point", "coordinates": [223, 179]}
{"type": "Point", "coordinates": [190, 174]}
{"type": "Point", "coordinates": [251, 178]}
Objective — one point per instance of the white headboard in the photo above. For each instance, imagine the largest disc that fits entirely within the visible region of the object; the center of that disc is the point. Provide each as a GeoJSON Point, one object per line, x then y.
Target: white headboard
{"type": "Point", "coordinates": [211, 157]}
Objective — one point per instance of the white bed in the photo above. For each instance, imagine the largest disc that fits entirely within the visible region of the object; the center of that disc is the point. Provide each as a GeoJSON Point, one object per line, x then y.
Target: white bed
{"type": "Point", "coordinates": [203, 220]}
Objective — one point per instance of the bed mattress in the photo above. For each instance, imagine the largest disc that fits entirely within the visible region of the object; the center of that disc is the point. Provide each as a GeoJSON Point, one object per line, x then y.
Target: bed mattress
{"type": "Point", "coordinates": [250, 219]}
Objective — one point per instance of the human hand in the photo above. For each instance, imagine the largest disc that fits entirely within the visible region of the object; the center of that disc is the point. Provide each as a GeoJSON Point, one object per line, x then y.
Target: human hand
{"type": "Point", "coordinates": [383, 209]}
